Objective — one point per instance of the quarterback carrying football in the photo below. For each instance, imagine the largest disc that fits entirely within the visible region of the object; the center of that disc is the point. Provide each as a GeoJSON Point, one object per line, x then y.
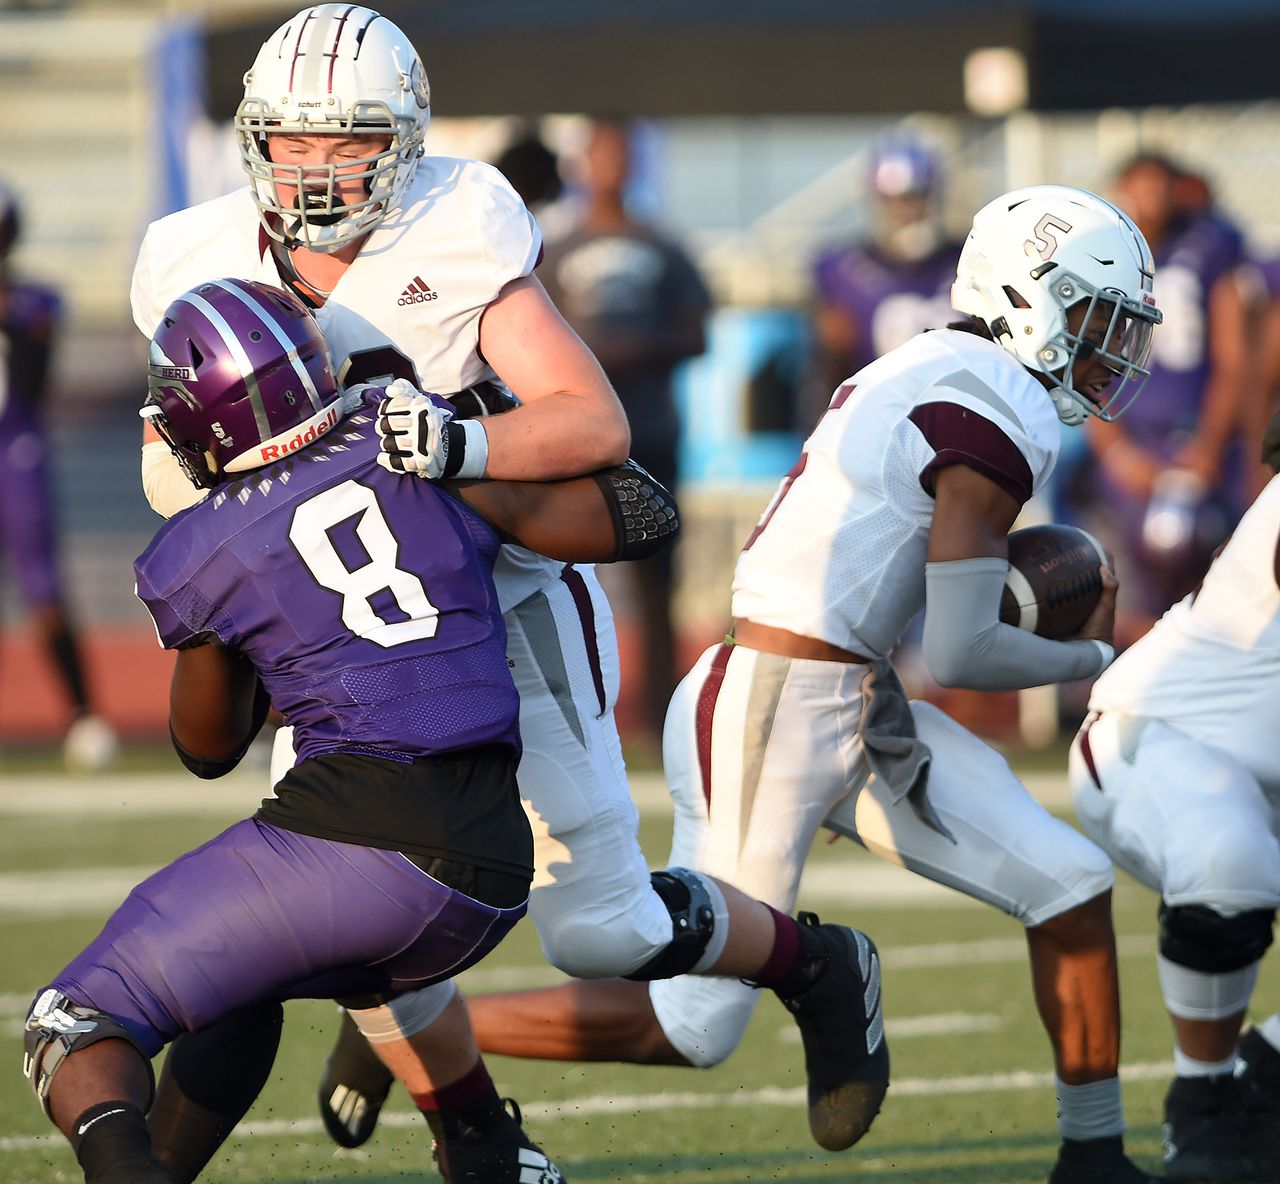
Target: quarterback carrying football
{"type": "Point", "coordinates": [902, 499]}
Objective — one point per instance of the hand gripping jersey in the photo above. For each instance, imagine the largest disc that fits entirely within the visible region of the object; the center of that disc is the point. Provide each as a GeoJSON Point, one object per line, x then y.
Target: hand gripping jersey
{"type": "Point", "coordinates": [839, 553]}
{"type": "Point", "coordinates": [1211, 665]}
{"type": "Point", "coordinates": [364, 599]}
{"type": "Point", "coordinates": [409, 306]}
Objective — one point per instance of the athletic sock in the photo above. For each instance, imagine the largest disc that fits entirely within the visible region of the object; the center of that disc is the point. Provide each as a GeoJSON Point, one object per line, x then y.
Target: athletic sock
{"type": "Point", "coordinates": [112, 1146]}
{"type": "Point", "coordinates": [1187, 1066]}
{"type": "Point", "coordinates": [208, 1082]}
{"type": "Point", "coordinates": [65, 651]}
{"type": "Point", "coordinates": [1090, 1111]}
{"type": "Point", "coordinates": [796, 961]}
{"type": "Point", "coordinates": [468, 1108]}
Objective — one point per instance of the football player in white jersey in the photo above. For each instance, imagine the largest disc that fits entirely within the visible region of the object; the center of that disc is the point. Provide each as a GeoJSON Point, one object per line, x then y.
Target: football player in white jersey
{"type": "Point", "coordinates": [902, 500]}
{"type": "Point", "coordinates": [419, 269]}
{"type": "Point", "coordinates": [1176, 774]}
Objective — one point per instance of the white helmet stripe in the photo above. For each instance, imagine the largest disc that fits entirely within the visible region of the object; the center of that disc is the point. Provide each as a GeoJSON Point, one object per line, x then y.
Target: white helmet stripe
{"type": "Point", "coordinates": [288, 346]}
{"type": "Point", "coordinates": [236, 350]}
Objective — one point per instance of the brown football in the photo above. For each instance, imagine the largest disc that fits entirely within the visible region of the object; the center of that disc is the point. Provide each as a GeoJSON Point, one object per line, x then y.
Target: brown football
{"type": "Point", "coordinates": [1054, 579]}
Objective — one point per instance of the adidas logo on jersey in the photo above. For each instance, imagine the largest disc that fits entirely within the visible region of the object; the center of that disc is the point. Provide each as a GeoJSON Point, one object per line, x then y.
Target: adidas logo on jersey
{"type": "Point", "coordinates": [418, 292]}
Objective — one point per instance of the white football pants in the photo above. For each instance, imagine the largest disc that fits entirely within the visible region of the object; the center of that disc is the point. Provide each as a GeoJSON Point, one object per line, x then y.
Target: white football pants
{"type": "Point", "coordinates": [759, 750]}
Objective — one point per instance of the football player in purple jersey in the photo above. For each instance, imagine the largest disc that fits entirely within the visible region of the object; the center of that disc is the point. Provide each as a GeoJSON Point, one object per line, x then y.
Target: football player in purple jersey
{"type": "Point", "coordinates": [395, 853]}
{"type": "Point", "coordinates": [874, 294]}
{"type": "Point", "coordinates": [29, 315]}
{"type": "Point", "coordinates": [1171, 476]}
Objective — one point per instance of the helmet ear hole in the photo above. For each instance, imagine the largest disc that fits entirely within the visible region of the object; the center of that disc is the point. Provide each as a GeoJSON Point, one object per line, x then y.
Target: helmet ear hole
{"type": "Point", "coordinates": [197, 358]}
{"type": "Point", "coordinates": [1015, 297]}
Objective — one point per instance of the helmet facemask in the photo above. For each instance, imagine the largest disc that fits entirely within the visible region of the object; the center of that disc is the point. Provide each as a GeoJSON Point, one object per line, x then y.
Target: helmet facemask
{"type": "Point", "coordinates": [317, 217]}
{"type": "Point", "coordinates": [1114, 329]}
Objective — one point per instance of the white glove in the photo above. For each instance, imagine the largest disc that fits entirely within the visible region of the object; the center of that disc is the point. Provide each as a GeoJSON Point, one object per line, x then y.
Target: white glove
{"type": "Point", "coordinates": [414, 431]}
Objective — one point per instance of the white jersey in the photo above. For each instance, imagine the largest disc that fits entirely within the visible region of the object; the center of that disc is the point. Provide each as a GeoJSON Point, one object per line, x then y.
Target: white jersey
{"type": "Point", "coordinates": [839, 553]}
{"type": "Point", "coordinates": [409, 306]}
{"type": "Point", "coordinates": [1211, 666]}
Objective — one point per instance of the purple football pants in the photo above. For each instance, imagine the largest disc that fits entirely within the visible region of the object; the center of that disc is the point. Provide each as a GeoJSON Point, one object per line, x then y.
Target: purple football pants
{"type": "Point", "coordinates": [264, 913]}
{"type": "Point", "coordinates": [27, 525]}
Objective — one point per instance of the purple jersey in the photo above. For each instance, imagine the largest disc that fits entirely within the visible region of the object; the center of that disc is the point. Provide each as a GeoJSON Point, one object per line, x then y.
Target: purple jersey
{"type": "Point", "coordinates": [364, 599]}
{"type": "Point", "coordinates": [1193, 257]}
{"type": "Point", "coordinates": [887, 300]}
{"type": "Point", "coordinates": [29, 316]}
{"type": "Point", "coordinates": [28, 320]}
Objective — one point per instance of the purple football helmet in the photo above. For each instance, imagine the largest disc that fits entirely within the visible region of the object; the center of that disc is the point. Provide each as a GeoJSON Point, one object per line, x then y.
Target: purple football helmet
{"type": "Point", "coordinates": [239, 377]}
{"type": "Point", "coordinates": [902, 166]}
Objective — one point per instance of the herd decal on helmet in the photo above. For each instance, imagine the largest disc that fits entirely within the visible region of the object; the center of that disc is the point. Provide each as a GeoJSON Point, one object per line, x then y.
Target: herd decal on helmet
{"type": "Point", "coordinates": [1037, 252]}
{"type": "Point", "coordinates": [334, 69]}
{"type": "Point", "coordinates": [239, 376]}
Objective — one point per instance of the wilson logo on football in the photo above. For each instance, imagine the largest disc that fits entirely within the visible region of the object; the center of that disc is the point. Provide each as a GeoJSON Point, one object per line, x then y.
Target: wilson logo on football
{"type": "Point", "coordinates": [418, 292]}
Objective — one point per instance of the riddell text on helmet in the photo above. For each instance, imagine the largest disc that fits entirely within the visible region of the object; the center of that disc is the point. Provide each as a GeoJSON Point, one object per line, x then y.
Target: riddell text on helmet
{"type": "Point", "coordinates": [302, 439]}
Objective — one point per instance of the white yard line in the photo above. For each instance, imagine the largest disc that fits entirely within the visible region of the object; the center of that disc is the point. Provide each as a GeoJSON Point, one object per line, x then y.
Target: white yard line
{"type": "Point", "coordinates": [59, 796]}
{"type": "Point", "coordinates": [571, 1108]}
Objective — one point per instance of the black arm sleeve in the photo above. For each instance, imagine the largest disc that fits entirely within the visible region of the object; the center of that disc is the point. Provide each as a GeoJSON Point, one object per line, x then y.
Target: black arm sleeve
{"type": "Point", "coordinates": [209, 770]}
{"type": "Point", "coordinates": [645, 515]}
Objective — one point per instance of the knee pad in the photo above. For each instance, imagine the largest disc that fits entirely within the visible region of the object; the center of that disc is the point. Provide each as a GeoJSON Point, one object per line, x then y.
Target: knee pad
{"type": "Point", "coordinates": [55, 1028]}
{"type": "Point", "coordinates": [688, 900]}
{"type": "Point", "coordinates": [1203, 939]}
{"type": "Point", "coordinates": [404, 1015]}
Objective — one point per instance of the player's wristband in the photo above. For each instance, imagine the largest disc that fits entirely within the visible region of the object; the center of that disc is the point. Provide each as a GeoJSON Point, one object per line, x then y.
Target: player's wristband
{"type": "Point", "coordinates": [468, 449]}
{"type": "Point", "coordinates": [1108, 652]}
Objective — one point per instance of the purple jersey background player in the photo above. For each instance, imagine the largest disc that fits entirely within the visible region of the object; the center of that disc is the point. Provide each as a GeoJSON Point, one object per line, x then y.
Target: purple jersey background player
{"type": "Point", "coordinates": [888, 300]}
{"type": "Point", "coordinates": [29, 316]}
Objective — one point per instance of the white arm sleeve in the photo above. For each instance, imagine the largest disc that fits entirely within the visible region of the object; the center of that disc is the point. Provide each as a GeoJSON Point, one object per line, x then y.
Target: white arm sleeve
{"type": "Point", "coordinates": [167, 488]}
{"type": "Point", "coordinates": [967, 645]}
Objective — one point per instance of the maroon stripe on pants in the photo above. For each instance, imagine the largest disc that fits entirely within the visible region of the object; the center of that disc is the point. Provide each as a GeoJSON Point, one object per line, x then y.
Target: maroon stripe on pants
{"type": "Point", "coordinates": [704, 715]}
{"type": "Point", "coordinates": [587, 615]}
{"type": "Point", "coordinates": [1086, 751]}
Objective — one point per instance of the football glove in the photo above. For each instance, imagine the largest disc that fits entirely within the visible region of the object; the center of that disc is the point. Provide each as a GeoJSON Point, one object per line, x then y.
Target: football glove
{"type": "Point", "coordinates": [415, 432]}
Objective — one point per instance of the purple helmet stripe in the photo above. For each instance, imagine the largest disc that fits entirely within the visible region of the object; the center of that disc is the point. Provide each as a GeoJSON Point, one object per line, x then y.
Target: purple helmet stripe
{"type": "Point", "coordinates": [255, 303]}
{"type": "Point", "coordinates": [237, 352]}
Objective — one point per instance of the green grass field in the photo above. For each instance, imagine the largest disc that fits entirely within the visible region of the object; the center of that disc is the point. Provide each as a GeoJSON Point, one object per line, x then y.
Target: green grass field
{"type": "Point", "coordinates": [971, 1101]}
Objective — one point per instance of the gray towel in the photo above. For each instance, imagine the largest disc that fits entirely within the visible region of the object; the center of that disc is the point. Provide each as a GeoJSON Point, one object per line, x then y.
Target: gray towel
{"type": "Point", "coordinates": [894, 753]}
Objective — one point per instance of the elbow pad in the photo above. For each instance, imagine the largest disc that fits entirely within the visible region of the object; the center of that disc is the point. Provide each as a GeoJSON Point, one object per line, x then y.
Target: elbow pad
{"type": "Point", "coordinates": [167, 487]}
{"type": "Point", "coordinates": [645, 517]}
{"type": "Point", "coordinates": [967, 645]}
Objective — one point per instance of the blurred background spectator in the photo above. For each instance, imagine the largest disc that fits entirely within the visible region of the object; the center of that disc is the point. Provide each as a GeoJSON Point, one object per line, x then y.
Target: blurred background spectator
{"type": "Point", "coordinates": [29, 319]}
{"type": "Point", "coordinates": [1170, 475]}
{"type": "Point", "coordinates": [636, 299]}
{"type": "Point", "coordinates": [875, 293]}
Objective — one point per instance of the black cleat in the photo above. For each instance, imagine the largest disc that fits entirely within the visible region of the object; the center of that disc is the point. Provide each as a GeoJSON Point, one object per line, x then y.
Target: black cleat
{"type": "Point", "coordinates": [1213, 1134]}
{"type": "Point", "coordinates": [841, 1023]}
{"type": "Point", "coordinates": [354, 1087]}
{"type": "Point", "coordinates": [1259, 1064]}
{"type": "Point", "coordinates": [1096, 1161]}
{"type": "Point", "coordinates": [502, 1155]}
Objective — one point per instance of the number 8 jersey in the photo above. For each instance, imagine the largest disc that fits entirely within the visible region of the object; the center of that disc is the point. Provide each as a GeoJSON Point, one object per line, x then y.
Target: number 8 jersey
{"type": "Point", "coordinates": [365, 600]}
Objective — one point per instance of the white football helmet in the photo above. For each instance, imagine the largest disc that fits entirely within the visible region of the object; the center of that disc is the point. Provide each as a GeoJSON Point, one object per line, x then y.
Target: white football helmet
{"type": "Point", "coordinates": [1036, 252]}
{"type": "Point", "coordinates": [336, 69]}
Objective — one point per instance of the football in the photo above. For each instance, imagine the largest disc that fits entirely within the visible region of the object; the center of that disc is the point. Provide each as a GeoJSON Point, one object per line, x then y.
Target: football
{"type": "Point", "coordinates": [1054, 579]}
